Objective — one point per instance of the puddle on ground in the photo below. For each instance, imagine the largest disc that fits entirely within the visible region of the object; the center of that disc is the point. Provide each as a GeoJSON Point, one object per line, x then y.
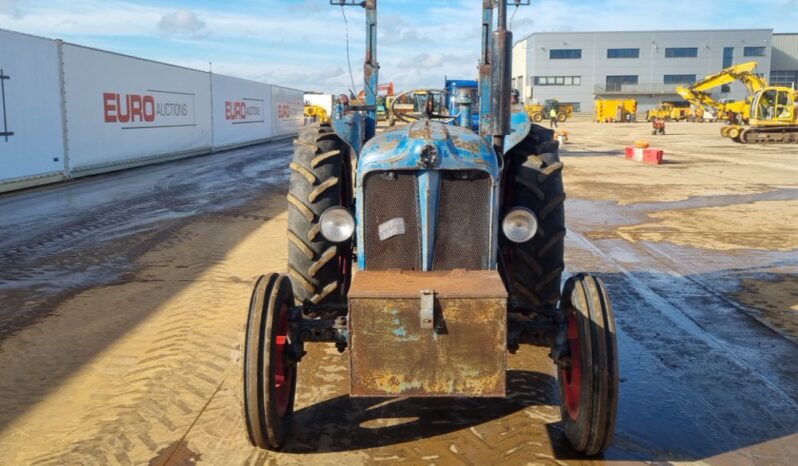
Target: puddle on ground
{"type": "Point", "coordinates": [176, 454]}
{"type": "Point", "coordinates": [776, 298]}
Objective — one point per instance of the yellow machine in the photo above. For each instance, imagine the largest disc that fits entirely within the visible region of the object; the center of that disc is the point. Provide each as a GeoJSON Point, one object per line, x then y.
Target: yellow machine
{"type": "Point", "coordinates": [698, 93]}
{"type": "Point", "coordinates": [615, 111]}
{"type": "Point", "coordinates": [316, 113]}
{"type": "Point", "coordinates": [696, 113]}
{"type": "Point", "coordinates": [770, 110]}
{"type": "Point", "coordinates": [540, 112]}
{"type": "Point", "coordinates": [669, 111]}
{"type": "Point", "coordinates": [774, 118]}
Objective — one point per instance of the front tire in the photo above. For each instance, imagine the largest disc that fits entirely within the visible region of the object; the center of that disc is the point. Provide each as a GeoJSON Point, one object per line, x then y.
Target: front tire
{"type": "Point", "coordinates": [269, 373]}
{"type": "Point", "coordinates": [535, 267]}
{"type": "Point", "coordinates": [316, 266]}
{"type": "Point", "coordinates": [588, 377]}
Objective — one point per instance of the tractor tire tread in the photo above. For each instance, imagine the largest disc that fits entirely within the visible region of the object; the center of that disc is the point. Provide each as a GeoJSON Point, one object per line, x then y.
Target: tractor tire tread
{"type": "Point", "coordinates": [316, 184]}
{"type": "Point", "coordinates": [537, 265]}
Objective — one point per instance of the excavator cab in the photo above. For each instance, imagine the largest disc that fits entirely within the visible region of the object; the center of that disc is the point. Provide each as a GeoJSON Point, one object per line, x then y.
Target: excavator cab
{"type": "Point", "coordinates": [774, 106]}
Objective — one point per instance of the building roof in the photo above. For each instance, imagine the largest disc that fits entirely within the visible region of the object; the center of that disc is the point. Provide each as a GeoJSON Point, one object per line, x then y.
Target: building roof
{"type": "Point", "coordinates": [528, 36]}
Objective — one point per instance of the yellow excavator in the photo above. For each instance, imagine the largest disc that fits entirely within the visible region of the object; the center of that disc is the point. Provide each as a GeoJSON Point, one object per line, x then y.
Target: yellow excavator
{"type": "Point", "coordinates": [698, 93]}
{"type": "Point", "coordinates": [769, 111]}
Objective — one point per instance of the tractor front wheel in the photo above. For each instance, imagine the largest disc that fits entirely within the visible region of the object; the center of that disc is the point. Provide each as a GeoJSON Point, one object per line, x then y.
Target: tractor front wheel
{"type": "Point", "coordinates": [561, 117]}
{"type": "Point", "coordinates": [270, 369]}
{"type": "Point", "coordinates": [588, 377]}
{"type": "Point", "coordinates": [537, 117]}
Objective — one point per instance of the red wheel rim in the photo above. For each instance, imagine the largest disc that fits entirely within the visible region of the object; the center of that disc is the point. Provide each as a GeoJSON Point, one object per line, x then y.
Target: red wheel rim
{"type": "Point", "coordinates": [283, 373]}
{"type": "Point", "coordinates": [572, 376]}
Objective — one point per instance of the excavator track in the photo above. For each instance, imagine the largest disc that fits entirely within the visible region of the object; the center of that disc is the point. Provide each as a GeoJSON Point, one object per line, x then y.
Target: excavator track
{"type": "Point", "coordinates": [775, 135]}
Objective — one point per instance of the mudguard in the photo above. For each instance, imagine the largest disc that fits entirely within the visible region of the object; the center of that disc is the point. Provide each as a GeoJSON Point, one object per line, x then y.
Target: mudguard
{"type": "Point", "coordinates": [520, 127]}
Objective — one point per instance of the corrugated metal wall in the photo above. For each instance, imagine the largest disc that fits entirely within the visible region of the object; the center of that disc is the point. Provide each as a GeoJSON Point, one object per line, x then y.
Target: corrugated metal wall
{"type": "Point", "coordinates": [785, 52]}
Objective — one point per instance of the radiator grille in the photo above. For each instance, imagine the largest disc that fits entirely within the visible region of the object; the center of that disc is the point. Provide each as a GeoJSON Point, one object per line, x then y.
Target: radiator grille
{"type": "Point", "coordinates": [389, 196]}
{"type": "Point", "coordinates": [463, 236]}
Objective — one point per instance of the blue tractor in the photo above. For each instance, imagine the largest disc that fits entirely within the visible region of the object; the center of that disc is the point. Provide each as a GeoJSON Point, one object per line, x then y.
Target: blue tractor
{"type": "Point", "coordinates": [430, 251]}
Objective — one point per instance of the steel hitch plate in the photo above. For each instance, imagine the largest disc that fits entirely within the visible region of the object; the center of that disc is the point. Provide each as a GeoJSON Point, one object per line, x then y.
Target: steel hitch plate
{"type": "Point", "coordinates": [428, 333]}
{"type": "Point", "coordinates": [427, 308]}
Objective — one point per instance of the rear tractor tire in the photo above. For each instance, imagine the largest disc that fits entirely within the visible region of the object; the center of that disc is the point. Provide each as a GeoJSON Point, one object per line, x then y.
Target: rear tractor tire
{"type": "Point", "coordinates": [317, 267]}
{"type": "Point", "coordinates": [588, 377]}
{"type": "Point", "coordinates": [537, 117]}
{"type": "Point", "coordinates": [535, 267]}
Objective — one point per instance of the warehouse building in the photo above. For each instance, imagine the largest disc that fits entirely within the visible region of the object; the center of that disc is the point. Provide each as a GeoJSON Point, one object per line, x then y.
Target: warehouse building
{"type": "Point", "coordinates": [784, 63]}
{"type": "Point", "coordinates": [578, 67]}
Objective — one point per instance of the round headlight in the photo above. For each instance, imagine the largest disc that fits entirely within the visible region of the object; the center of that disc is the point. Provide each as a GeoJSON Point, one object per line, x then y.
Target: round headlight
{"type": "Point", "coordinates": [520, 225]}
{"type": "Point", "coordinates": [337, 224]}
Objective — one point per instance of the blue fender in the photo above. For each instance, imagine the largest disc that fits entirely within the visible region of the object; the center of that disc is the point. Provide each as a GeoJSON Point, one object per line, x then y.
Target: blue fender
{"type": "Point", "coordinates": [349, 127]}
{"type": "Point", "coordinates": [520, 127]}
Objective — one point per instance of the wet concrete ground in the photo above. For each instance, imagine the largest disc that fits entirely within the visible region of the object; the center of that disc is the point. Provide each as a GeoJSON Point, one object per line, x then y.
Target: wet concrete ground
{"type": "Point", "coordinates": [123, 300]}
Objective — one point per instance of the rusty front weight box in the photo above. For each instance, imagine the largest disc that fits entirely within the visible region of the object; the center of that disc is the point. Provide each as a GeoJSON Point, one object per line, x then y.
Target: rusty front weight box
{"type": "Point", "coordinates": [428, 333]}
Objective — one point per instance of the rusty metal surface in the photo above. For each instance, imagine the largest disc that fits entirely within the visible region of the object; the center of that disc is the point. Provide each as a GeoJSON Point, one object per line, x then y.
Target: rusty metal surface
{"type": "Point", "coordinates": [391, 355]}
{"type": "Point", "coordinates": [463, 354]}
{"type": "Point", "coordinates": [447, 284]}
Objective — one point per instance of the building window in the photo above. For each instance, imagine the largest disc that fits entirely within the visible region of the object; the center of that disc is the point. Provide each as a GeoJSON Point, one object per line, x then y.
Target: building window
{"type": "Point", "coordinates": [754, 51]}
{"type": "Point", "coordinates": [679, 79]}
{"type": "Point", "coordinates": [681, 52]}
{"type": "Point", "coordinates": [728, 56]}
{"type": "Point", "coordinates": [561, 54]}
{"type": "Point", "coordinates": [615, 83]}
{"type": "Point", "coordinates": [623, 53]}
{"type": "Point", "coordinates": [784, 78]}
{"type": "Point", "coordinates": [558, 81]}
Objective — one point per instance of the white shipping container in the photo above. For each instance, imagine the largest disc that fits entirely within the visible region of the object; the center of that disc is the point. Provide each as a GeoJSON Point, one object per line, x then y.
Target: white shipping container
{"type": "Point", "coordinates": [288, 106]}
{"type": "Point", "coordinates": [31, 129]}
{"type": "Point", "coordinates": [124, 111]}
{"type": "Point", "coordinates": [242, 111]}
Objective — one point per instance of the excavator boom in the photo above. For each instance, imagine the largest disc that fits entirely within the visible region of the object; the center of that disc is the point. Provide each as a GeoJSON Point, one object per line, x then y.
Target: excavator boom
{"type": "Point", "coordinates": [698, 93]}
{"type": "Point", "coordinates": [744, 72]}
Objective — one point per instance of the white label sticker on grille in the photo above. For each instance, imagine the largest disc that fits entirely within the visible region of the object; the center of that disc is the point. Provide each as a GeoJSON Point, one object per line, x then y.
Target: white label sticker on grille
{"type": "Point", "coordinates": [391, 228]}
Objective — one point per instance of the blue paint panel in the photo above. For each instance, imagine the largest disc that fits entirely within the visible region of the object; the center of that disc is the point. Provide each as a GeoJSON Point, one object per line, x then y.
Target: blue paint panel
{"type": "Point", "coordinates": [400, 149]}
{"type": "Point", "coordinates": [519, 127]}
{"type": "Point", "coordinates": [349, 127]}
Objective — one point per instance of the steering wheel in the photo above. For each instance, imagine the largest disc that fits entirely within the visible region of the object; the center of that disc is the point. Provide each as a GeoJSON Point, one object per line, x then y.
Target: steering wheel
{"type": "Point", "coordinates": [430, 113]}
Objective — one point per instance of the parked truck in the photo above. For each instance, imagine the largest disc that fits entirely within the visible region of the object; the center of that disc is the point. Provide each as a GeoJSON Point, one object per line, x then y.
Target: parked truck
{"type": "Point", "coordinates": [669, 111]}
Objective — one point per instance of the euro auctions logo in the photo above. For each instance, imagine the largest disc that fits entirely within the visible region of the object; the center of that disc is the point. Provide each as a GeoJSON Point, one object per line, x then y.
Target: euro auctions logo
{"type": "Point", "coordinates": [246, 110]}
{"type": "Point", "coordinates": [289, 111]}
{"type": "Point", "coordinates": [151, 109]}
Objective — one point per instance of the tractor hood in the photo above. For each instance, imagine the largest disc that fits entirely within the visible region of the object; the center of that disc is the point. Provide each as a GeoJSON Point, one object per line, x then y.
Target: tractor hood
{"type": "Point", "coordinates": [427, 145]}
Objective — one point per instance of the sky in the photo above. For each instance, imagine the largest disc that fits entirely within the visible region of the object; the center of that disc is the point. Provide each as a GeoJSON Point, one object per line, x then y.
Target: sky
{"type": "Point", "coordinates": [302, 43]}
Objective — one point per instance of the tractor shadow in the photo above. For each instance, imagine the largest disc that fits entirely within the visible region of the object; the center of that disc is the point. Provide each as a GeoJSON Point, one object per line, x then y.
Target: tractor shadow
{"type": "Point", "coordinates": [346, 424]}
